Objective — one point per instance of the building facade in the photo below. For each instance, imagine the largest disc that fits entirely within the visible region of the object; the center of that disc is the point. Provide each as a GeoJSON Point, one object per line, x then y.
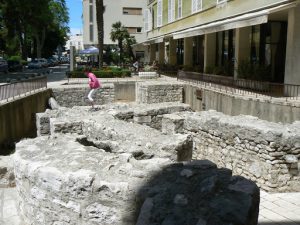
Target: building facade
{"type": "Point", "coordinates": [129, 13]}
{"type": "Point", "coordinates": [76, 41]}
{"type": "Point", "coordinates": [231, 37]}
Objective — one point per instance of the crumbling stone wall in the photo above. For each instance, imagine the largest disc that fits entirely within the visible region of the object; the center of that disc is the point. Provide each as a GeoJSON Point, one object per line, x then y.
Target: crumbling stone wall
{"type": "Point", "coordinates": [267, 153]}
{"type": "Point", "coordinates": [63, 121]}
{"type": "Point", "coordinates": [155, 92]}
{"type": "Point", "coordinates": [77, 96]}
{"type": "Point", "coordinates": [124, 173]}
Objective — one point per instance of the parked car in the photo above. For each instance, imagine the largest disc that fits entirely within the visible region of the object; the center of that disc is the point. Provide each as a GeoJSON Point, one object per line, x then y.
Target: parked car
{"type": "Point", "coordinates": [3, 66]}
{"type": "Point", "coordinates": [38, 63]}
{"type": "Point", "coordinates": [14, 65]}
{"type": "Point", "coordinates": [35, 64]}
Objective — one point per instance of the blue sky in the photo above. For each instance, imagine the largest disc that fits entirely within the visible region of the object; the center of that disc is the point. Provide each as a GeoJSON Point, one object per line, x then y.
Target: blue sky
{"type": "Point", "coordinates": [75, 13]}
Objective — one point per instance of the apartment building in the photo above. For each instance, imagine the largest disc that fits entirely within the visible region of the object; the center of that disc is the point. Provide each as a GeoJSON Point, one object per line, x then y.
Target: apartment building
{"type": "Point", "coordinates": [76, 41]}
{"type": "Point", "coordinates": [130, 13]}
{"type": "Point", "coordinates": [227, 33]}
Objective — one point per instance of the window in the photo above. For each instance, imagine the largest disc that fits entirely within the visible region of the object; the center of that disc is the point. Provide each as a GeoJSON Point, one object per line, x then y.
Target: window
{"type": "Point", "coordinates": [132, 11]}
{"type": "Point", "coordinates": [147, 20]}
{"type": "Point", "coordinates": [134, 30]}
{"type": "Point", "coordinates": [179, 9]}
{"type": "Point", "coordinates": [139, 54]}
{"type": "Point", "coordinates": [91, 33]}
{"type": "Point", "coordinates": [171, 10]}
{"type": "Point", "coordinates": [91, 14]}
{"type": "Point", "coordinates": [196, 6]}
{"type": "Point", "coordinates": [159, 13]}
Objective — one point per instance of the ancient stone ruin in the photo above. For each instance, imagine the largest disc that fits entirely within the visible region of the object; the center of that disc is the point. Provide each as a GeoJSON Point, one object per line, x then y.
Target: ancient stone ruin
{"type": "Point", "coordinates": [125, 164]}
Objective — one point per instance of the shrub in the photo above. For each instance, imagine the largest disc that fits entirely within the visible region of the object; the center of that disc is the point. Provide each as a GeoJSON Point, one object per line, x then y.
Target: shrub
{"type": "Point", "coordinates": [15, 58]}
{"type": "Point", "coordinates": [101, 73]}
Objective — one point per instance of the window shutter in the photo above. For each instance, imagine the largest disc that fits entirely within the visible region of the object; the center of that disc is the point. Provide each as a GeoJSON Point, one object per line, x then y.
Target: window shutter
{"type": "Point", "coordinates": [199, 5]}
{"type": "Point", "coordinates": [159, 13]}
{"type": "Point", "coordinates": [150, 22]}
{"type": "Point", "coordinates": [146, 20]}
{"type": "Point", "coordinates": [173, 10]}
{"type": "Point", "coordinates": [169, 11]}
{"type": "Point", "coordinates": [179, 8]}
{"type": "Point", "coordinates": [194, 5]}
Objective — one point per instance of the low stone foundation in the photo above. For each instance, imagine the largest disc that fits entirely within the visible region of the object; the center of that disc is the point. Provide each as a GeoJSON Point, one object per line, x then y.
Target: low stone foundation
{"type": "Point", "coordinates": [266, 152]}
{"type": "Point", "coordinates": [77, 96]}
{"type": "Point", "coordinates": [156, 92]}
{"type": "Point", "coordinates": [146, 114]}
{"type": "Point", "coordinates": [98, 169]}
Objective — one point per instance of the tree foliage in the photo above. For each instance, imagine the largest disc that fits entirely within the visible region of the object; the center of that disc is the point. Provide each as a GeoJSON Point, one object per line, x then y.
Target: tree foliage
{"type": "Point", "coordinates": [27, 25]}
{"type": "Point", "coordinates": [120, 34]}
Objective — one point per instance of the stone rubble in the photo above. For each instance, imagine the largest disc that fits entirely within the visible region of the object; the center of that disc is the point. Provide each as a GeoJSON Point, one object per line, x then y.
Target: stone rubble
{"type": "Point", "coordinates": [94, 168]}
{"type": "Point", "coordinates": [7, 177]}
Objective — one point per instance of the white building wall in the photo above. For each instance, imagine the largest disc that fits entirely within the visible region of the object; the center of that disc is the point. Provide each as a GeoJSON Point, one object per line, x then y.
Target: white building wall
{"type": "Point", "coordinates": [76, 41]}
{"type": "Point", "coordinates": [113, 13]}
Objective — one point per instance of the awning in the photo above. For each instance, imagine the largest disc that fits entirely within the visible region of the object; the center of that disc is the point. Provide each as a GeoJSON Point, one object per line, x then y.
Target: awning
{"type": "Point", "coordinates": [245, 20]}
{"type": "Point", "coordinates": [90, 51]}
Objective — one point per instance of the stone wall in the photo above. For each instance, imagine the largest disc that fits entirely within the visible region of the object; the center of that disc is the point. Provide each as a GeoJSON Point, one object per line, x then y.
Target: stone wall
{"type": "Point", "coordinates": [267, 153]}
{"type": "Point", "coordinates": [77, 96]}
{"type": "Point", "coordinates": [146, 114]}
{"type": "Point", "coordinates": [155, 92]}
{"type": "Point", "coordinates": [123, 173]}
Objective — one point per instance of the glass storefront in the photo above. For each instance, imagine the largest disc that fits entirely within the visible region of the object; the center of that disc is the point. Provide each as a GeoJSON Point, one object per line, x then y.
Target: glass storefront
{"type": "Point", "coordinates": [198, 53]}
{"type": "Point", "coordinates": [225, 49]}
{"type": "Point", "coordinates": [268, 51]}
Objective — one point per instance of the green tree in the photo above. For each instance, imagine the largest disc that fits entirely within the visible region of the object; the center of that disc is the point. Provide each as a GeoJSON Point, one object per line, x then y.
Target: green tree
{"type": "Point", "coordinates": [28, 22]}
{"type": "Point", "coordinates": [119, 34]}
{"type": "Point", "coordinates": [100, 27]}
{"type": "Point", "coordinates": [128, 42]}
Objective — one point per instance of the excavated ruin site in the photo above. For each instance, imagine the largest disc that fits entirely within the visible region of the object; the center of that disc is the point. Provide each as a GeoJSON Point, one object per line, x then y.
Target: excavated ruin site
{"type": "Point", "coordinates": [125, 164]}
{"type": "Point", "coordinates": [151, 163]}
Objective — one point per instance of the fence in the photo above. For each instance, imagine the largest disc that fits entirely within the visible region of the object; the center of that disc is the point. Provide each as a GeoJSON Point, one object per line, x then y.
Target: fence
{"type": "Point", "coordinates": [241, 86]}
{"type": "Point", "coordinates": [28, 86]}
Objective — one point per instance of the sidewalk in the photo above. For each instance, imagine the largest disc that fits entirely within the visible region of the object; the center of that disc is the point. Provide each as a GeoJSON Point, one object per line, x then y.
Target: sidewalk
{"type": "Point", "coordinates": [275, 208]}
{"type": "Point", "coordinates": [279, 209]}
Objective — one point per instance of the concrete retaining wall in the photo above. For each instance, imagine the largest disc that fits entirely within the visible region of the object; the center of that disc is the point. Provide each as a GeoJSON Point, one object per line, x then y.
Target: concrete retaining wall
{"type": "Point", "coordinates": [17, 118]}
{"type": "Point", "coordinates": [273, 110]}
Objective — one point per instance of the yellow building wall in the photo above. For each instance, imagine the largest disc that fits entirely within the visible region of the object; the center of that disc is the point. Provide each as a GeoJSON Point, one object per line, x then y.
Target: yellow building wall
{"type": "Point", "coordinates": [211, 12]}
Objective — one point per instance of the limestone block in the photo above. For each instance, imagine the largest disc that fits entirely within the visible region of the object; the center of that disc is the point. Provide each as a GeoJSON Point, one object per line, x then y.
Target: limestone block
{"type": "Point", "coordinates": [7, 177]}
{"type": "Point", "coordinates": [172, 124]}
{"type": "Point", "coordinates": [42, 124]}
{"type": "Point", "coordinates": [142, 119]}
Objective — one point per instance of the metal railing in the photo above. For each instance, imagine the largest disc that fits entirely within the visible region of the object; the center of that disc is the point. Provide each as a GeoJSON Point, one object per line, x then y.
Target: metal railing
{"type": "Point", "coordinates": [242, 86]}
{"type": "Point", "coordinates": [22, 87]}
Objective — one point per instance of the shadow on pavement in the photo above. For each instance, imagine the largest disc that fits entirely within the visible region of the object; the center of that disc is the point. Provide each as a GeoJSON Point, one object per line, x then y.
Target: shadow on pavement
{"type": "Point", "coordinates": [196, 193]}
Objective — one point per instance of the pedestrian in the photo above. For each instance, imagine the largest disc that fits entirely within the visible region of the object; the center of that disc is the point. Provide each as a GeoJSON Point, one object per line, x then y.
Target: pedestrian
{"type": "Point", "coordinates": [136, 66]}
{"type": "Point", "coordinates": [94, 84]}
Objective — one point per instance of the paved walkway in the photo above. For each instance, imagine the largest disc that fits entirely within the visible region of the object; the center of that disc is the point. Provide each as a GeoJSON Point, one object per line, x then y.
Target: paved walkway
{"type": "Point", "coordinates": [275, 209]}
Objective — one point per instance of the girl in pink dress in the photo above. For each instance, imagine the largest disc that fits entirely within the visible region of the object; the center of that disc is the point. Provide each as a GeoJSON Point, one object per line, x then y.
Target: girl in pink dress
{"type": "Point", "coordinates": [94, 84]}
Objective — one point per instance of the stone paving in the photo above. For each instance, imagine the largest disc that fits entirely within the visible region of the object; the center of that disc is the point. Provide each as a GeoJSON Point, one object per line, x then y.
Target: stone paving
{"type": "Point", "coordinates": [275, 208]}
